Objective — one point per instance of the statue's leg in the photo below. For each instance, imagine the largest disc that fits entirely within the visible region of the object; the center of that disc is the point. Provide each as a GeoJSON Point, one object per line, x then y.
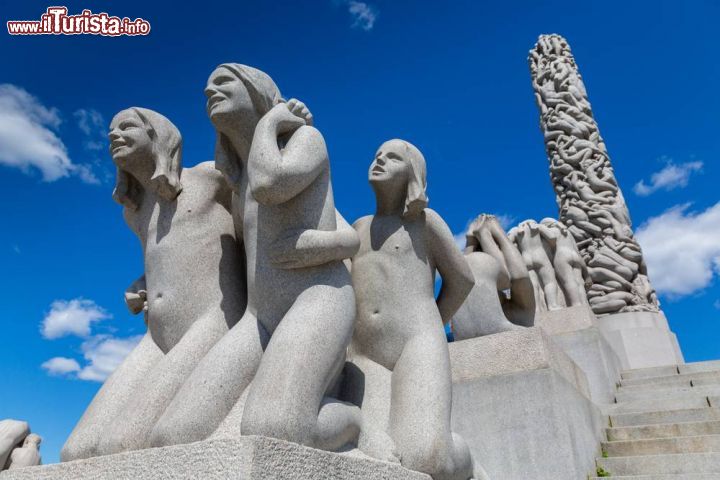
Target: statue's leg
{"type": "Point", "coordinates": [549, 286]}
{"type": "Point", "coordinates": [131, 431]}
{"type": "Point", "coordinates": [115, 393]}
{"type": "Point", "coordinates": [565, 274]}
{"type": "Point", "coordinates": [214, 387]}
{"type": "Point", "coordinates": [420, 410]}
{"type": "Point", "coordinates": [301, 359]}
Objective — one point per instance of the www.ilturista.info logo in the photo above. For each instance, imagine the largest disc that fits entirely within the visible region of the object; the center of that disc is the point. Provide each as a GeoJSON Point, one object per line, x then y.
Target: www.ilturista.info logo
{"type": "Point", "coordinates": [56, 21]}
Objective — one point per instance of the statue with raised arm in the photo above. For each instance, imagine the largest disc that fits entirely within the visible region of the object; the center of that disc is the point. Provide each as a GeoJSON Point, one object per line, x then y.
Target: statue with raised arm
{"type": "Point", "coordinates": [12, 434]}
{"type": "Point", "coordinates": [503, 297]}
{"type": "Point", "coordinates": [192, 290]}
{"type": "Point", "coordinates": [27, 455]}
{"type": "Point", "coordinates": [537, 257]}
{"type": "Point", "coordinates": [570, 270]}
{"type": "Point", "coordinates": [273, 373]}
{"type": "Point", "coordinates": [398, 338]}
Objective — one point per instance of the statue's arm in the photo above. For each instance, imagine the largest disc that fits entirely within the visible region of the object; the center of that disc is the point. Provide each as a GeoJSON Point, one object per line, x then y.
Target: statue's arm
{"type": "Point", "coordinates": [457, 278]}
{"type": "Point", "coordinates": [136, 296]}
{"type": "Point", "coordinates": [277, 175]}
{"type": "Point", "coordinates": [309, 248]}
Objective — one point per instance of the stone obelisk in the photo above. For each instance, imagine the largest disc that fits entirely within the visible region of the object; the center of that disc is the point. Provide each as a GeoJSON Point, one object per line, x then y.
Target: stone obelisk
{"type": "Point", "coordinates": [591, 203]}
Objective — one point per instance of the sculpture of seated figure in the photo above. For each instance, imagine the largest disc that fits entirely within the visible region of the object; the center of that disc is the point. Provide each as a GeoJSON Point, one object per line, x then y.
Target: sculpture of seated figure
{"type": "Point", "coordinates": [570, 269]}
{"type": "Point", "coordinates": [192, 290]}
{"type": "Point", "coordinates": [398, 334]}
{"type": "Point", "coordinates": [292, 339]}
{"type": "Point", "coordinates": [28, 455]}
{"type": "Point", "coordinates": [497, 267]}
{"type": "Point", "coordinates": [12, 434]}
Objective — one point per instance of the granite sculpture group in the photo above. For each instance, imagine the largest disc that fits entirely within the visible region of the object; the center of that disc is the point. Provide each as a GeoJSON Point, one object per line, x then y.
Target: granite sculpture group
{"type": "Point", "coordinates": [269, 315]}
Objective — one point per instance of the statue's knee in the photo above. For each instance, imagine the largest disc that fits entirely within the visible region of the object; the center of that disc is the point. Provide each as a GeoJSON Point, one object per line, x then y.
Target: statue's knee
{"type": "Point", "coordinates": [427, 456]}
{"type": "Point", "coordinates": [275, 423]}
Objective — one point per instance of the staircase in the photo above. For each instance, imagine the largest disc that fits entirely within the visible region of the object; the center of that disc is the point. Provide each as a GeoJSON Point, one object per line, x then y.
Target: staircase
{"type": "Point", "coordinates": [665, 425]}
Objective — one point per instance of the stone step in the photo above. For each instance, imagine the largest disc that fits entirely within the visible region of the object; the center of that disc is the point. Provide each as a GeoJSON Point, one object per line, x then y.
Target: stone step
{"type": "Point", "coordinates": [702, 381]}
{"type": "Point", "coordinates": [679, 463]}
{"type": "Point", "coordinates": [676, 379]}
{"type": "Point", "coordinates": [702, 414]}
{"type": "Point", "coordinates": [658, 446]}
{"type": "Point", "coordinates": [632, 395]}
{"type": "Point", "coordinates": [667, 430]}
{"type": "Point", "coordinates": [650, 372]}
{"type": "Point", "coordinates": [659, 403]}
{"type": "Point", "coordinates": [672, 476]}
{"type": "Point", "coordinates": [695, 367]}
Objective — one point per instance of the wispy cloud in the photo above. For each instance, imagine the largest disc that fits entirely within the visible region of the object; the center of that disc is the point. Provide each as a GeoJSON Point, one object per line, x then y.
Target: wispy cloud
{"type": "Point", "coordinates": [717, 304]}
{"type": "Point", "coordinates": [92, 124]}
{"type": "Point", "coordinates": [71, 317]}
{"type": "Point", "coordinates": [104, 354]}
{"type": "Point", "coordinates": [61, 366]}
{"type": "Point", "coordinates": [672, 176]}
{"type": "Point", "coordinates": [29, 140]}
{"type": "Point", "coordinates": [364, 15]}
{"type": "Point", "coordinates": [16, 249]}
{"type": "Point", "coordinates": [682, 249]}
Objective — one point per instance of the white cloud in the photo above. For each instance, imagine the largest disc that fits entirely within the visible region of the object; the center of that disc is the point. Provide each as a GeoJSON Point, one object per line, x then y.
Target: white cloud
{"type": "Point", "coordinates": [717, 304]}
{"type": "Point", "coordinates": [682, 249]}
{"type": "Point", "coordinates": [89, 120]}
{"type": "Point", "coordinates": [71, 317]}
{"type": "Point", "coordinates": [28, 138]}
{"type": "Point", "coordinates": [104, 354]}
{"type": "Point", "coordinates": [364, 15]}
{"type": "Point", "coordinates": [671, 177]}
{"type": "Point", "coordinates": [61, 366]}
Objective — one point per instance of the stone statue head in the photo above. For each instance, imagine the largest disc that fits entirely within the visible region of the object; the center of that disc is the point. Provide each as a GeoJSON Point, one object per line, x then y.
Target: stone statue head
{"type": "Point", "coordinates": [138, 135]}
{"type": "Point", "coordinates": [552, 223]}
{"type": "Point", "coordinates": [399, 164]}
{"type": "Point", "coordinates": [238, 97]}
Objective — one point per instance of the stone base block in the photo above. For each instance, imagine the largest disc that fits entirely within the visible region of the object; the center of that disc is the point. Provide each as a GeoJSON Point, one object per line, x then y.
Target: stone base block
{"type": "Point", "coordinates": [641, 339]}
{"type": "Point", "coordinates": [246, 458]}
{"type": "Point", "coordinates": [524, 407]}
{"type": "Point", "coordinates": [575, 331]}
{"type": "Point", "coordinates": [569, 319]}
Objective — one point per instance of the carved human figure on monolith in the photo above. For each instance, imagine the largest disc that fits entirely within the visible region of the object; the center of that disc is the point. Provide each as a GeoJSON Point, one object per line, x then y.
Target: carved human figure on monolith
{"type": "Point", "coordinates": [570, 270]}
{"type": "Point", "coordinates": [503, 297]}
{"type": "Point", "coordinates": [398, 336]}
{"type": "Point", "coordinates": [192, 289]}
{"type": "Point", "coordinates": [291, 341]}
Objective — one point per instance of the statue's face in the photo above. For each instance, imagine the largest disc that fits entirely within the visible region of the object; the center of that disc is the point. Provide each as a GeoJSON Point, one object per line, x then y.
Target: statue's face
{"type": "Point", "coordinates": [390, 165]}
{"type": "Point", "coordinates": [228, 100]}
{"type": "Point", "coordinates": [130, 139]}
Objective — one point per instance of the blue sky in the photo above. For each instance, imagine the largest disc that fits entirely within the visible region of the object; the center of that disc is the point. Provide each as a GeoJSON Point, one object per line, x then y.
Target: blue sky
{"type": "Point", "coordinates": [451, 77]}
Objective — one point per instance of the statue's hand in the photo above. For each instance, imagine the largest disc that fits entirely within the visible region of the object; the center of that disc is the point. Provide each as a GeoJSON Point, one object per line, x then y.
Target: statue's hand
{"type": "Point", "coordinates": [299, 109]}
{"type": "Point", "coordinates": [136, 301]}
{"type": "Point", "coordinates": [283, 119]}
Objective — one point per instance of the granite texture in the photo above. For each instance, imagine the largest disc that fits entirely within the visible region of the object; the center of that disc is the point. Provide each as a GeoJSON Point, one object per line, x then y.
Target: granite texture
{"type": "Point", "coordinates": [246, 458]}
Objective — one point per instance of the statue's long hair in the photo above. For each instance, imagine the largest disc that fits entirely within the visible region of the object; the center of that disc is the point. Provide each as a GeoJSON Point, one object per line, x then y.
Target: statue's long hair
{"type": "Point", "coordinates": [264, 95]}
{"type": "Point", "coordinates": [167, 153]}
{"type": "Point", "coordinates": [416, 199]}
